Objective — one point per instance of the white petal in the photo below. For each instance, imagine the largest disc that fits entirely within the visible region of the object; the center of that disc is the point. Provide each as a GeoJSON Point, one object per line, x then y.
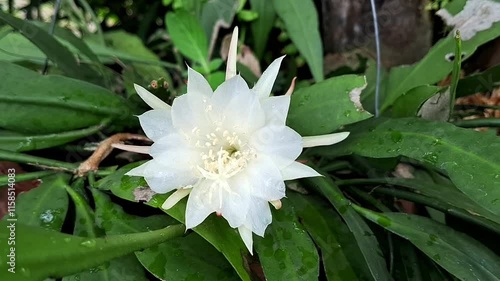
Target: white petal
{"type": "Point", "coordinates": [161, 178]}
{"type": "Point", "coordinates": [260, 215]}
{"type": "Point", "coordinates": [201, 203]}
{"type": "Point", "coordinates": [298, 170]}
{"type": "Point", "coordinates": [236, 201]}
{"type": "Point", "coordinates": [175, 197]}
{"type": "Point", "coordinates": [236, 108]}
{"type": "Point", "coordinates": [324, 139]}
{"type": "Point", "coordinates": [276, 109]}
{"type": "Point", "coordinates": [189, 112]}
{"type": "Point", "coordinates": [153, 101]}
{"type": "Point", "coordinates": [156, 123]}
{"type": "Point", "coordinates": [281, 143]}
{"type": "Point", "coordinates": [171, 142]}
{"type": "Point", "coordinates": [132, 148]}
{"type": "Point", "coordinates": [197, 84]}
{"type": "Point", "coordinates": [246, 236]}
{"type": "Point", "coordinates": [231, 56]}
{"type": "Point", "coordinates": [265, 179]}
{"type": "Point", "coordinates": [265, 84]}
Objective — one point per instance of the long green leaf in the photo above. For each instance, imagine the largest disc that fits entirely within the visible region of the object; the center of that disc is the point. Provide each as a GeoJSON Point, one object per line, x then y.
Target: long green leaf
{"type": "Point", "coordinates": [21, 142]}
{"type": "Point", "coordinates": [459, 254]}
{"type": "Point", "coordinates": [51, 47]}
{"type": "Point", "coordinates": [58, 104]}
{"type": "Point", "coordinates": [287, 245]}
{"type": "Point", "coordinates": [213, 229]}
{"type": "Point", "coordinates": [42, 253]}
{"type": "Point", "coordinates": [261, 27]}
{"type": "Point", "coordinates": [341, 256]}
{"type": "Point", "coordinates": [302, 24]}
{"type": "Point", "coordinates": [326, 106]}
{"type": "Point", "coordinates": [365, 238]}
{"type": "Point", "coordinates": [455, 74]}
{"type": "Point", "coordinates": [434, 66]}
{"type": "Point", "coordinates": [459, 152]}
{"type": "Point", "coordinates": [408, 104]}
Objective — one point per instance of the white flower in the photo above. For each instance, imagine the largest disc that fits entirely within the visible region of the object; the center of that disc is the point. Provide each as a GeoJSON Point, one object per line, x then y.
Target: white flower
{"type": "Point", "coordinates": [229, 150]}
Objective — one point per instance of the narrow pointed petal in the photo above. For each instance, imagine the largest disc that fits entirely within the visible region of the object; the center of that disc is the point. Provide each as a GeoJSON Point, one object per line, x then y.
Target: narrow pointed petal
{"type": "Point", "coordinates": [292, 87]}
{"type": "Point", "coordinates": [153, 101]}
{"type": "Point", "coordinates": [276, 109]}
{"type": "Point", "coordinates": [265, 84]}
{"type": "Point", "coordinates": [246, 236]}
{"type": "Point", "coordinates": [132, 148]}
{"type": "Point", "coordinates": [324, 139]}
{"type": "Point", "coordinates": [175, 197]}
{"type": "Point", "coordinates": [260, 215]}
{"type": "Point", "coordinates": [298, 170]}
{"type": "Point", "coordinates": [197, 84]}
{"type": "Point", "coordinates": [232, 55]}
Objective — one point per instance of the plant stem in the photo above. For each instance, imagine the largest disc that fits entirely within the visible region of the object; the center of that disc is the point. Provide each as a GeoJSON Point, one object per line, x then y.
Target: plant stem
{"type": "Point", "coordinates": [4, 180]}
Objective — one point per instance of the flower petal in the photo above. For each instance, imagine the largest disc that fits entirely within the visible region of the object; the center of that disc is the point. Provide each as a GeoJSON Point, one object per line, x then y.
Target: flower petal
{"type": "Point", "coordinates": [236, 108]}
{"type": "Point", "coordinates": [197, 84]}
{"type": "Point", "coordinates": [153, 101]}
{"type": "Point", "coordinates": [281, 143]}
{"type": "Point", "coordinates": [236, 201]}
{"type": "Point", "coordinates": [161, 178]}
{"type": "Point", "coordinates": [298, 170]}
{"type": "Point", "coordinates": [276, 109]}
{"type": "Point", "coordinates": [265, 179]}
{"type": "Point", "coordinates": [201, 203]}
{"type": "Point", "coordinates": [260, 215]}
{"type": "Point", "coordinates": [175, 197]}
{"type": "Point", "coordinates": [232, 55]}
{"type": "Point", "coordinates": [265, 84]}
{"type": "Point", "coordinates": [246, 236]}
{"type": "Point", "coordinates": [189, 112]}
{"type": "Point", "coordinates": [132, 148]}
{"type": "Point", "coordinates": [324, 139]}
{"type": "Point", "coordinates": [156, 123]}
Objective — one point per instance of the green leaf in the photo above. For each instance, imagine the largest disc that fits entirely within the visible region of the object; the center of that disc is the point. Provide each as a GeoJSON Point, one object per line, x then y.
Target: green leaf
{"type": "Point", "coordinates": [482, 82]}
{"type": "Point", "coordinates": [326, 106]}
{"type": "Point", "coordinates": [125, 268]}
{"type": "Point", "coordinates": [42, 253]}
{"type": "Point", "coordinates": [130, 45]}
{"type": "Point", "coordinates": [367, 242]}
{"type": "Point", "coordinates": [408, 104]}
{"type": "Point", "coordinates": [216, 78]}
{"type": "Point", "coordinates": [301, 22]}
{"type": "Point", "coordinates": [434, 66]}
{"type": "Point", "coordinates": [58, 104]}
{"type": "Point", "coordinates": [21, 142]}
{"type": "Point", "coordinates": [198, 259]}
{"type": "Point", "coordinates": [213, 229]}
{"type": "Point", "coordinates": [287, 245]}
{"type": "Point", "coordinates": [459, 254]}
{"type": "Point", "coordinates": [188, 36]}
{"type": "Point", "coordinates": [341, 256]}
{"type": "Point", "coordinates": [261, 27]}
{"type": "Point", "coordinates": [459, 152]}
{"type": "Point", "coordinates": [186, 258]}
{"type": "Point", "coordinates": [216, 14]}
{"type": "Point", "coordinates": [46, 205]}
{"type": "Point", "coordinates": [54, 50]}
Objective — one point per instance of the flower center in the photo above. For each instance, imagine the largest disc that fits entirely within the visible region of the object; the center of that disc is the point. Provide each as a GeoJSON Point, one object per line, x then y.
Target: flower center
{"type": "Point", "coordinates": [224, 155]}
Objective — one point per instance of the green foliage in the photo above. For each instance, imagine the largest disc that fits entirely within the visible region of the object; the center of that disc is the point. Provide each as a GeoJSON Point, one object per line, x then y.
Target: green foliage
{"type": "Point", "coordinates": [402, 198]}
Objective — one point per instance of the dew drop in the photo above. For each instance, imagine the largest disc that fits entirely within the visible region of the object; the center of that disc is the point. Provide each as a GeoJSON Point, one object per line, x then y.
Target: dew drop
{"type": "Point", "coordinates": [89, 243]}
{"type": "Point", "coordinates": [430, 157]}
{"type": "Point", "coordinates": [396, 136]}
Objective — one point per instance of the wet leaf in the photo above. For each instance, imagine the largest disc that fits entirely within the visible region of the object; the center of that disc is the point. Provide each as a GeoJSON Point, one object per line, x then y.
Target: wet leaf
{"type": "Point", "coordinates": [459, 152]}
{"type": "Point", "coordinates": [287, 245]}
{"type": "Point", "coordinates": [459, 254]}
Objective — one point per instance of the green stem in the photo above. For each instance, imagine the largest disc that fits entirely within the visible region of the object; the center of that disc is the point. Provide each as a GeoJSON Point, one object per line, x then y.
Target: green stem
{"type": "Point", "coordinates": [4, 180]}
{"type": "Point", "coordinates": [476, 123]}
{"type": "Point", "coordinates": [35, 160]}
{"type": "Point", "coordinates": [370, 199]}
{"type": "Point", "coordinates": [335, 166]}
